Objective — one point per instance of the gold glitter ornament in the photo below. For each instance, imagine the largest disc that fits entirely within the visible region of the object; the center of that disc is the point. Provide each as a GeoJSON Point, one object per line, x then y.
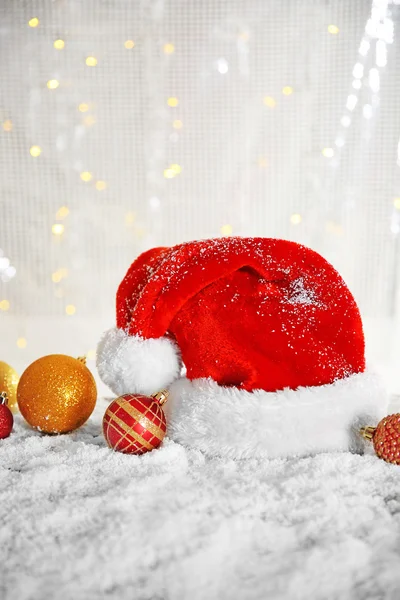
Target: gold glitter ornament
{"type": "Point", "coordinates": [56, 393]}
{"type": "Point", "coordinates": [8, 382]}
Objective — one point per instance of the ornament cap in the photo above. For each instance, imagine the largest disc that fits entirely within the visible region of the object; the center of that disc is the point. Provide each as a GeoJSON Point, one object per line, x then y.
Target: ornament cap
{"type": "Point", "coordinates": [367, 432]}
{"type": "Point", "coordinates": [3, 398]}
{"type": "Point", "coordinates": [161, 396]}
{"type": "Point", "coordinates": [82, 359]}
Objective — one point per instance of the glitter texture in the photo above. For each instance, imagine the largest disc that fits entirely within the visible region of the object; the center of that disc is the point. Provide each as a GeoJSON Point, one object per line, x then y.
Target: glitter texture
{"type": "Point", "coordinates": [387, 439]}
{"type": "Point", "coordinates": [8, 382]}
{"type": "Point", "coordinates": [56, 394]}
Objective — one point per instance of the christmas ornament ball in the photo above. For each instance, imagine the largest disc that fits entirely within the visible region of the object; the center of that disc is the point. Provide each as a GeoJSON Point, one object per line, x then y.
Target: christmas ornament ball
{"type": "Point", "coordinates": [56, 394]}
{"type": "Point", "coordinates": [8, 382]}
{"type": "Point", "coordinates": [6, 418]}
{"type": "Point", "coordinates": [386, 439]}
{"type": "Point", "coordinates": [135, 424]}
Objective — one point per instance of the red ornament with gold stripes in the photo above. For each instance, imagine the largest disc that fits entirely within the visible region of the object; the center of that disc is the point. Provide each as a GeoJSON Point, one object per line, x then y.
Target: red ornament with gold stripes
{"type": "Point", "coordinates": [135, 424]}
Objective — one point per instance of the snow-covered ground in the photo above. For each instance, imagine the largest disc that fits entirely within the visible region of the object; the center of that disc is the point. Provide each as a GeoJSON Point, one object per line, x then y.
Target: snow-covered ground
{"type": "Point", "coordinates": [79, 521]}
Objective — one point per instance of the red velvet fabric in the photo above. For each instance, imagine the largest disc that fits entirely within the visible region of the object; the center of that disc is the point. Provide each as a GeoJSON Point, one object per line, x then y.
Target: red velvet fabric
{"type": "Point", "coordinates": [249, 312]}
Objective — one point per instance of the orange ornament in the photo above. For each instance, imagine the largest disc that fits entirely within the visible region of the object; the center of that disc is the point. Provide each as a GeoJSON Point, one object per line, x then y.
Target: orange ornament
{"type": "Point", "coordinates": [56, 393]}
{"type": "Point", "coordinates": [386, 438]}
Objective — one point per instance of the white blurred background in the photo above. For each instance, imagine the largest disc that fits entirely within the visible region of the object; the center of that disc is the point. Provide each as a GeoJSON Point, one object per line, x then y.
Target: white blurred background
{"type": "Point", "coordinates": [127, 124]}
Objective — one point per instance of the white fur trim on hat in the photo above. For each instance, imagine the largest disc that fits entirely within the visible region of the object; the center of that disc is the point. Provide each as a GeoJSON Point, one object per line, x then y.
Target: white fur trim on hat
{"type": "Point", "coordinates": [239, 424]}
{"type": "Point", "coordinates": [131, 364]}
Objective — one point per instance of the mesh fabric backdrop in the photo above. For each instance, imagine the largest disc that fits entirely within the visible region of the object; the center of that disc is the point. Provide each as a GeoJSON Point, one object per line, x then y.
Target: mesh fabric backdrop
{"type": "Point", "coordinates": [127, 124]}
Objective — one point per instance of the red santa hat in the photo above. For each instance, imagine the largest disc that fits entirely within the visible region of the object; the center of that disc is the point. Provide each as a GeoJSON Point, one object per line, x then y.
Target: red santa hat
{"type": "Point", "coordinates": [271, 339]}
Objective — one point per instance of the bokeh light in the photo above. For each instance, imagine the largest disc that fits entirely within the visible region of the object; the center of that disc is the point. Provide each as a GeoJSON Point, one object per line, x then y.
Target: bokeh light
{"type": "Point", "coordinates": [296, 219]}
{"type": "Point", "coordinates": [91, 61]}
{"type": "Point", "coordinates": [333, 29]}
{"type": "Point", "coordinates": [86, 176]}
{"type": "Point", "coordinates": [70, 309]}
{"type": "Point", "coordinates": [328, 152]}
{"type": "Point", "coordinates": [4, 305]}
{"type": "Point", "coordinates": [226, 230]}
{"type": "Point", "coordinates": [57, 229]}
{"type": "Point", "coordinates": [62, 212]}
{"type": "Point", "coordinates": [269, 101]}
{"type": "Point", "coordinates": [53, 84]}
{"type": "Point", "coordinates": [35, 151]}
{"type": "Point", "coordinates": [59, 44]}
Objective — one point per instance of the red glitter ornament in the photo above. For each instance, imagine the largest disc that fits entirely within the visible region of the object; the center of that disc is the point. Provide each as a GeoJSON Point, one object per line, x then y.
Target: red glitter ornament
{"type": "Point", "coordinates": [6, 418]}
{"type": "Point", "coordinates": [386, 438]}
{"type": "Point", "coordinates": [135, 424]}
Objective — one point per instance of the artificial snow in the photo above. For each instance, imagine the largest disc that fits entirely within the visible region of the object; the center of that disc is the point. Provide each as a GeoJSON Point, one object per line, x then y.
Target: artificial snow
{"type": "Point", "coordinates": [82, 522]}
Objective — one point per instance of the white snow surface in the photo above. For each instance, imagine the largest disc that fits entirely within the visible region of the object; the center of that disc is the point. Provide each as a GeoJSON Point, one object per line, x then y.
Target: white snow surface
{"type": "Point", "coordinates": [79, 521]}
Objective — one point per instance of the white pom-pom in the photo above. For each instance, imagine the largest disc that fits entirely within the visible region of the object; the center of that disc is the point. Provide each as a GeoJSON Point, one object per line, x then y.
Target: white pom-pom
{"type": "Point", "coordinates": [131, 364]}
